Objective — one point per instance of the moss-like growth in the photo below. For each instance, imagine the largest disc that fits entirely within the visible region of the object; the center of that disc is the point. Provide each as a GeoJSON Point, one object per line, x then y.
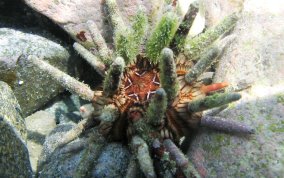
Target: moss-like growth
{"type": "Point", "coordinates": [113, 77]}
{"type": "Point", "coordinates": [140, 25]}
{"type": "Point", "coordinates": [195, 46]}
{"type": "Point", "coordinates": [205, 62]}
{"type": "Point", "coordinates": [212, 101]}
{"type": "Point", "coordinates": [127, 41]}
{"type": "Point", "coordinates": [143, 129]}
{"type": "Point", "coordinates": [161, 36]}
{"type": "Point", "coordinates": [280, 98]}
{"type": "Point", "coordinates": [157, 107]}
{"type": "Point", "coordinates": [168, 74]}
{"type": "Point", "coordinates": [277, 127]}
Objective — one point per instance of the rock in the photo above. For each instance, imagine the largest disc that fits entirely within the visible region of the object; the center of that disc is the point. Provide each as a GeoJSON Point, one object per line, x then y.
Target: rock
{"type": "Point", "coordinates": [65, 108]}
{"type": "Point", "coordinates": [17, 15]}
{"type": "Point", "coordinates": [113, 161]}
{"type": "Point", "coordinates": [254, 63]}
{"type": "Point", "coordinates": [31, 87]}
{"type": "Point", "coordinates": [53, 163]}
{"type": "Point", "coordinates": [13, 151]}
{"type": "Point", "coordinates": [39, 125]}
{"type": "Point", "coordinates": [216, 10]}
{"type": "Point", "coordinates": [62, 162]}
{"type": "Point", "coordinates": [72, 16]}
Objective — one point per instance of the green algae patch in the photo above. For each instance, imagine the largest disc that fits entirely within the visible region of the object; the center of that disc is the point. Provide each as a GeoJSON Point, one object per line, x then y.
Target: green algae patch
{"type": "Point", "coordinates": [280, 98]}
{"type": "Point", "coordinates": [161, 36]}
{"type": "Point", "coordinates": [277, 127]}
{"type": "Point", "coordinates": [219, 141]}
{"type": "Point", "coordinates": [127, 41]}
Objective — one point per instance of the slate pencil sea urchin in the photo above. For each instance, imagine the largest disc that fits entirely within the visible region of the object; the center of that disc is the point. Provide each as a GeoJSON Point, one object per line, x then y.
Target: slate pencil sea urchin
{"type": "Point", "coordinates": [151, 94]}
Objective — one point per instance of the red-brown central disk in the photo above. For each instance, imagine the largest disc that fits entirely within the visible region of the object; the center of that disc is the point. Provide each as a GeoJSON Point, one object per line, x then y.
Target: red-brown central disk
{"type": "Point", "coordinates": [141, 85]}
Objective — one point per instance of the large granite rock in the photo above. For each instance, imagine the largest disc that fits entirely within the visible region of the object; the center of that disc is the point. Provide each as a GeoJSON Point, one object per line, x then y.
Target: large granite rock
{"type": "Point", "coordinates": [216, 10]}
{"type": "Point", "coordinates": [73, 15]}
{"type": "Point", "coordinates": [32, 87]}
{"type": "Point", "coordinates": [13, 151]}
{"type": "Point", "coordinates": [254, 62]}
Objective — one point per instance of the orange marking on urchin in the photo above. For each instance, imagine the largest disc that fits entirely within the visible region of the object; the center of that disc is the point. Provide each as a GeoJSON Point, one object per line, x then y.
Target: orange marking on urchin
{"type": "Point", "coordinates": [140, 85]}
{"type": "Point", "coordinates": [181, 72]}
{"type": "Point", "coordinates": [213, 87]}
{"type": "Point", "coordinates": [185, 96]}
{"type": "Point", "coordinates": [81, 36]}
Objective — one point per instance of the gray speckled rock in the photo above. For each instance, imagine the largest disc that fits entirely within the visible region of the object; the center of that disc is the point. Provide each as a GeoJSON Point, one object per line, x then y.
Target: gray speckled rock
{"type": "Point", "coordinates": [113, 161]}
{"type": "Point", "coordinates": [62, 162]}
{"type": "Point", "coordinates": [13, 151]}
{"type": "Point", "coordinates": [254, 60]}
{"type": "Point", "coordinates": [54, 163]}
{"type": "Point", "coordinates": [31, 87]}
{"type": "Point", "coordinates": [66, 108]}
{"type": "Point", "coordinates": [39, 125]}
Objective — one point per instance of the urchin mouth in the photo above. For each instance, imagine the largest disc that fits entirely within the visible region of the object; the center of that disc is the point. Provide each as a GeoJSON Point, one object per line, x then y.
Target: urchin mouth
{"type": "Point", "coordinates": [141, 81]}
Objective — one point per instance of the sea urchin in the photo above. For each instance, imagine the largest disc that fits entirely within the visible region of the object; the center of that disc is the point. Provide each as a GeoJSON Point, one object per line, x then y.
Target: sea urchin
{"type": "Point", "coordinates": [152, 94]}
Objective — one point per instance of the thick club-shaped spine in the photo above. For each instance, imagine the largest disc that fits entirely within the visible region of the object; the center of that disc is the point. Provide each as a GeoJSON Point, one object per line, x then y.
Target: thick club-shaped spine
{"type": "Point", "coordinates": [161, 36]}
{"type": "Point", "coordinates": [113, 77]}
{"type": "Point", "coordinates": [187, 167]}
{"type": "Point", "coordinates": [212, 101]}
{"type": "Point", "coordinates": [91, 153]}
{"type": "Point", "coordinates": [90, 58]}
{"type": "Point", "coordinates": [115, 17]}
{"type": "Point", "coordinates": [222, 124]}
{"type": "Point", "coordinates": [109, 113]}
{"type": "Point", "coordinates": [127, 41]}
{"type": "Point", "coordinates": [133, 168]}
{"type": "Point", "coordinates": [104, 52]}
{"type": "Point", "coordinates": [63, 79]}
{"type": "Point", "coordinates": [108, 116]}
{"type": "Point", "coordinates": [168, 74]}
{"type": "Point", "coordinates": [140, 25]}
{"type": "Point", "coordinates": [179, 39]}
{"type": "Point", "coordinates": [157, 108]}
{"type": "Point", "coordinates": [205, 62]}
{"type": "Point", "coordinates": [195, 46]}
{"type": "Point", "coordinates": [140, 148]}
{"type": "Point", "coordinates": [165, 166]}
